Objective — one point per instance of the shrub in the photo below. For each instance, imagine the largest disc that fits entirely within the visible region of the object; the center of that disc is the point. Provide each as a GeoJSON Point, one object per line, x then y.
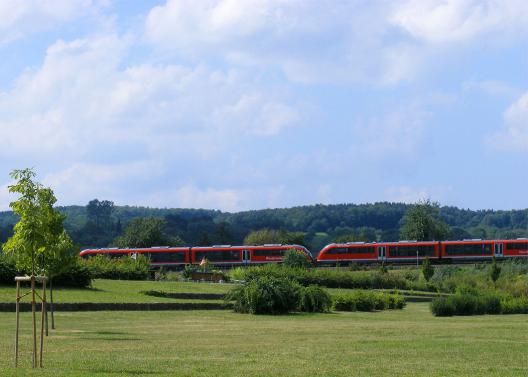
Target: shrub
{"type": "Point", "coordinates": [8, 270]}
{"type": "Point", "coordinates": [468, 302]}
{"type": "Point", "coordinates": [77, 276]}
{"type": "Point", "coordinates": [514, 305]}
{"type": "Point", "coordinates": [295, 259]}
{"type": "Point", "coordinates": [265, 295]}
{"type": "Point", "coordinates": [367, 301]}
{"type": "Point", "coordinates": [123, 268]}
{"type": "Point", "coordinates": [427, 269]}
{"type": "Point", "coordinates": [443, 307]}
{"type": "Point", "coordinates": [314, 299]}
{"type": "Point", "coordinates": [326, 278]}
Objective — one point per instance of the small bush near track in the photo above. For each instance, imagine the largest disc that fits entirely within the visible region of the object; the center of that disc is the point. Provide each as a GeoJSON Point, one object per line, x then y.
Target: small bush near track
{"type": "Point", "coordinates": [365, 301]}
{"type": "Point", "coordinates": [314, 299]}
{"type": "Point", "coordinates": [266, 295]}
{"type": "Point", "coordinates": [124, 268]}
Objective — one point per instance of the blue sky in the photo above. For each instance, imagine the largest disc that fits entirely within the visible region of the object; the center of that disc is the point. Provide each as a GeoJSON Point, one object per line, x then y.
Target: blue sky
{"type": "Point", "coordinates": [247, 104]}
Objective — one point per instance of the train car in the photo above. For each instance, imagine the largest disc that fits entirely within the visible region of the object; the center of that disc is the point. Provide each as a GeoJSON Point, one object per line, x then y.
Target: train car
{"type": "Point", "coordinates": [351, 252]}
{"type": "Point", "coordinates": [512, 248]}
{"type": "Point", "coordinates": [165, 256]}
{"type": "Point", "coordinates": [407, 251]}
{"type": "Point", "coordinates": [474, 249]}
{"type": "Point", "coordinates": [159, 256]}
{"type": "Point", "coordinates": [255, 254]}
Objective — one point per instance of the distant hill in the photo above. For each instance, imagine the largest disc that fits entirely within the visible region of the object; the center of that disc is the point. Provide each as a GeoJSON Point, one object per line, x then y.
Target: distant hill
{"type": "Point", "coordinates": [320, 223]}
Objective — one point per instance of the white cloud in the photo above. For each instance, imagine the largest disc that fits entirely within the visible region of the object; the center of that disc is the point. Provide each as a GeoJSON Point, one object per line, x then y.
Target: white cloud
{"type": "Point", "coordinates": [18, 18]}
{"type": "Point", "coordinates": [397, 132]}
{"type": "Point", "coordinates": [440, 21]}
{"type": "Point", "coordinates": [514, 134]}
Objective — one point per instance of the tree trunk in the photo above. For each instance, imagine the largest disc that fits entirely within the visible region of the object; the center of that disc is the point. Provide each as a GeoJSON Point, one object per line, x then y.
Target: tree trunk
{"type": "Point", "coordinates": [51, 304]}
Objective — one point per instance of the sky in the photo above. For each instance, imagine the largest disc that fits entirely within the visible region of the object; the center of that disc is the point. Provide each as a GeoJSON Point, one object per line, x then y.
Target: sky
{"type": "Point", "coordinates": [249, 104]}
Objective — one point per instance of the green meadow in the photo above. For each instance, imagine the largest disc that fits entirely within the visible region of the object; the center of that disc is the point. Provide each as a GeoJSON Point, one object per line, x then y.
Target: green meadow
{"type": "Point", "coordinates": [409, 342]}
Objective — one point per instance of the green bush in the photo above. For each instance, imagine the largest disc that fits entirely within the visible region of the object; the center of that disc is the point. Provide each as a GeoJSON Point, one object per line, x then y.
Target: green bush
{"type": "Point", "coordinates": [295, 259]}
{"type": "Point", "coordinates": [327, 278]}
{"type": "Point", "coordinates": [470, 302]}
{"type": "Point", "coordinates": [8, 270]}
{"type": "Point", "coordinates": [514, 305]}
{"type": "Point", "coordinates": [124, 268]}
{"type": "Point", "coordinates": [77, 275]}
{"type": "Point", "coordinates": [265, 295]}
{"type": "Point", "coordinates": [367, 301]}
{"type": "Point", "coordinates": [443, 307]}
{"type": "Point", "coordinates": [314, 299]}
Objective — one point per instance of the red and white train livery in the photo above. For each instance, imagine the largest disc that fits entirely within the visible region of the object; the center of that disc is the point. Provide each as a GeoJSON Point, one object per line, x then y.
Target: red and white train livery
{"type": "Point", "coordinates": [217, 255]}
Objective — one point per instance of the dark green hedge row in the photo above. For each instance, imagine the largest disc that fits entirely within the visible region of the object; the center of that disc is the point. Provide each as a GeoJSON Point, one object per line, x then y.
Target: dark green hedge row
{"type": "Point", "coordinates": [477, 303]}
{"type": "Point", "coordinates": [76, 275]}
{"type": "Point", "coordinates": [367, 301]}
{"type": "Point", "coordinates": [329, 278]}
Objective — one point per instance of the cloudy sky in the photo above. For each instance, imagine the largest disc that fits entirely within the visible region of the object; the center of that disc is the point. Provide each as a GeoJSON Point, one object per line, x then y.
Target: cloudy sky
{"type": "Point", "coordinates": [247, 104]}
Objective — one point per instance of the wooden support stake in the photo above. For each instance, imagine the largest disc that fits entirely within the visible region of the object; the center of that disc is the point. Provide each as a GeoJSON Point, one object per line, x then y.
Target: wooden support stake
{"type": "Point", "coordinates": [33, 310]}
{"type": "Point", "coordinates": [43, 309]}
{"type": "Point", "coordinates": [51, 305]}
{"type": "Point", "coordinates": [17, 321]}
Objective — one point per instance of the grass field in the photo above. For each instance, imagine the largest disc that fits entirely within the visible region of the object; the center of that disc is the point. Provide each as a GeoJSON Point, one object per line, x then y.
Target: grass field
{"type": "Point", "coordinates": [409, 342]}
{"type": "Point", "coordinates": [122, 291]}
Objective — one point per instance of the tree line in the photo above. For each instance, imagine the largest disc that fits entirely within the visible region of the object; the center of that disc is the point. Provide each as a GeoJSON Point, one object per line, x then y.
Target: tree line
{"type": "Point", "coordinates": [101, 223]}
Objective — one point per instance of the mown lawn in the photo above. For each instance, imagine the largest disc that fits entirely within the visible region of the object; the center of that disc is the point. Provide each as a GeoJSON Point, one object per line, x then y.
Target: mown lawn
{"type": "Point", "coordinates": [122, 291]}
{"type": "Point", "coordinates": [410, 342]}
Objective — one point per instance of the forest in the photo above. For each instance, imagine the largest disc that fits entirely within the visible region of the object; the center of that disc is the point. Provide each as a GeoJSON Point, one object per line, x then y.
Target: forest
{"type": "Point", "coordinates": [101, 223]}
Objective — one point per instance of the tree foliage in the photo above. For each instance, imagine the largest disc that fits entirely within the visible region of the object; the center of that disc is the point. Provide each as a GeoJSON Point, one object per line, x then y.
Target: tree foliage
{"type": "Point", "coordinates": [295, 259]}
{"type": "Point", "coordinates": [423, 223]}
{"type": "Point", "coordinates": [427, 269]}
{"type": "Point", "coordinates": [39, 241]}
{"type": "Point", "coordinates": [146, 232]}
{"type": "Point", "coordinates": [272, 236]}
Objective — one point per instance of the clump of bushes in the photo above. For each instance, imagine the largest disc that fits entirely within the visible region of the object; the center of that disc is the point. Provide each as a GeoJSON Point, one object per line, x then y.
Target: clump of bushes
{"type": "Point", "coordinates": [329, 278]}
{"type": "Point", "coordinates": [471, 301]}
{"type": "Point", "coordinates": [367, 301]}
{"type": "Point", "coordinates": [124, 268]}
{"type": "Point", "coordinates": [314, 299]}
{"type": "Point", "coordinates": [295, 259]}
{"type": "Point", "coordinates": [74, 275]}
{"type": "Point", "coordinates": [266, 295]}
{"type": "Point", "coordinates": [8, 270]}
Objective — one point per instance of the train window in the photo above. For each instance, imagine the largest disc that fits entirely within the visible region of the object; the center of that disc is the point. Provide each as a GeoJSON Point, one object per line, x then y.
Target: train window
{"type": "Point", "coordinates": [218, 256]}
{"type": "Point", "coordinates": [517, 246]}
{"type": "Point", "coordinates": [410, 251]}
{"type": "Point", "coordinates": [173, 257]}
{"type": "Point", "coordinates": [269, 252]}
{"type": "Point", "coordinates": [117, 255]}
{"type": "Point", "coordinates": [350, 250]}
{"type": "Point", "coordinates": [468, 249]}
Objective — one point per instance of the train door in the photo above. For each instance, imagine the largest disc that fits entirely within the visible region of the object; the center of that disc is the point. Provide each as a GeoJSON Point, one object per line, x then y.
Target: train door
{"type": "Point", "coordinates": [246, 257]}
{"type": "Point", "coordinates": [381, 253]}
{"type": "Point", "coordinates": [499, 249]}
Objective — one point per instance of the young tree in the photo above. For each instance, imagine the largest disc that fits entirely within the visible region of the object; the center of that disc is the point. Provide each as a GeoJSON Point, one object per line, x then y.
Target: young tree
{"type": "Point", "coordinates": [427, 269]}
{"type": "Point", "coordinates": [423, 223]}
{"type": "Point", "coordinates": [146, 232]}
{"type": "Point", "coordinates": [495, 271]}
{"type": "Point", "coordinates": [296, 259]}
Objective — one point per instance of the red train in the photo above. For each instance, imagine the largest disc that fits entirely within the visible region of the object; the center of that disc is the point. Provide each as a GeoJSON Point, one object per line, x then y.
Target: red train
{"type": "Point", "coordinates": [342, 253]}
{"type": "Point", "coordinates": [408, 251]}
{"type": "Point", "coordinates": [217, 255]}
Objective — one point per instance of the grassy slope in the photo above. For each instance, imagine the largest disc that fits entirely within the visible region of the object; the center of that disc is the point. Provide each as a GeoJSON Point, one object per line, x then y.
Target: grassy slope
{"type": "Point", "coordinates": [219, 343]}
{"type": "Point", "coordinates": [122, 291]}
